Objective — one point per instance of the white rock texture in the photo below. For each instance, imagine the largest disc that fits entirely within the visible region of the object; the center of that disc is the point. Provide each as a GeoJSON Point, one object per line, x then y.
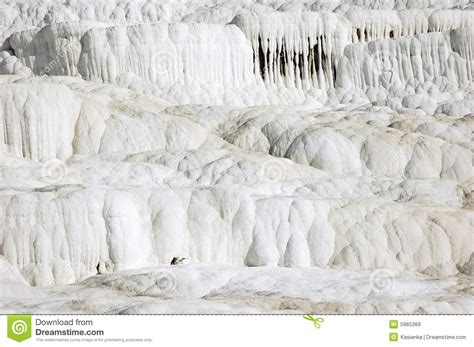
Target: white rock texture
{"type": "Point", "coordinates": [280, 146]}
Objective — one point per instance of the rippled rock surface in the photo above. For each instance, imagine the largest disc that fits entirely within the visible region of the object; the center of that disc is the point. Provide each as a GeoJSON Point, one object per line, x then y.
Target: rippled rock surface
{"type": "Point", "coordinates": [302, 156]}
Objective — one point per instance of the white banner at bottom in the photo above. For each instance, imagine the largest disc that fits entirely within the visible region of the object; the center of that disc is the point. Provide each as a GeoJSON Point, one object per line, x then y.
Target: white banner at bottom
{"type": "Point", "coordinates": [238, 330]}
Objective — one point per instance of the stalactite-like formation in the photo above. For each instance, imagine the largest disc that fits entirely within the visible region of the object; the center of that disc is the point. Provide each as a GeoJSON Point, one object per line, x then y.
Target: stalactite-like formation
{"type": "Point", "coordinates": [296, 50]}
{"type": "Point", "coordinates": [244, 136]}
{"type": "Point", "coordinates": [443, 59]}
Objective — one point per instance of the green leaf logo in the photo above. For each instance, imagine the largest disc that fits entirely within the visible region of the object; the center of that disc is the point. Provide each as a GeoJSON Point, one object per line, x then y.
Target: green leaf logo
{"type": "Point", "coordinates": [19, 327]}
{"type": "Point", "coordinates": [316, 321]}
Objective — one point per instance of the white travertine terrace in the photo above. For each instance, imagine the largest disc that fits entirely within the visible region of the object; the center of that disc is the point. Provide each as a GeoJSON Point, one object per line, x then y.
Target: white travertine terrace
{"type": "Point", "coordinates": [274, 144]}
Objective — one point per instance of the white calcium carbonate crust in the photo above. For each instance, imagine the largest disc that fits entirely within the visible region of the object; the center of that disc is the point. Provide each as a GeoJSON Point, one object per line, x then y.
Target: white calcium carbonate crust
{"type": "Point", "coordinates": [291, 151]}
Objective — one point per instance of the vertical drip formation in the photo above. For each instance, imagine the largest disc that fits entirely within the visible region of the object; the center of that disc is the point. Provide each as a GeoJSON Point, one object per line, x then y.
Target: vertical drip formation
{"type": "Point", "coordinates": [374, 24]}
{"type": "Point", "coordinates": [370, 25]}
{"type": "Point", "coordinates": [444, 20]}
{"type": "Point", "coordinates": [53, 50]}
{"type": "Point", "coordinates": [291, 52]}
{"type": "Point", "coordinates": [462, 42]}
{"type": "Point", "coordinates": [442, 59]}
{"type": "Point", "coordinates": [164, 55]}
{"type": "Point", "coordinates": [296, 139]}
{"type": "Point", "coordinates": [169, 55]}
{"type": "Point", "coordinates": [296, 50]}
{"type": "Point", "coordinates": [302, 50]}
